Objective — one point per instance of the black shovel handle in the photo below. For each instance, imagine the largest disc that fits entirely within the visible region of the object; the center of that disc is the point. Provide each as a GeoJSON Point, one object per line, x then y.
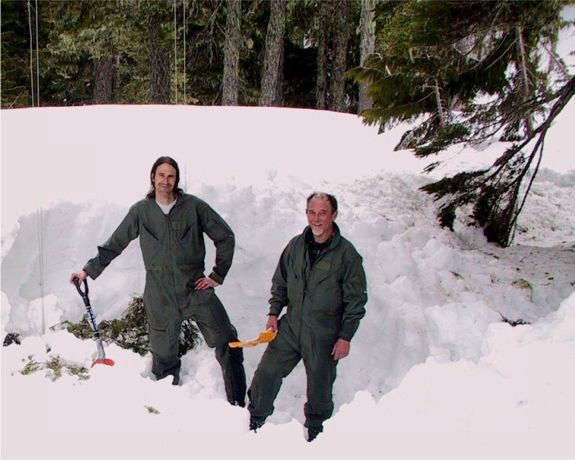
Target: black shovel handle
{"type": "Point", "coordinates": [83, 293]}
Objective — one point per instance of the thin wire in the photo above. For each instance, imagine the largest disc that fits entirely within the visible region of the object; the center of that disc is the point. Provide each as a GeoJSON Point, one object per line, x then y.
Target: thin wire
{"type": "Point", "coordinates": [185, 82]}
{"type": "Point", "coordinates": [41, 263]}
{"type": "Point", "coordinates": [175, 51]}
{"type": "Point", "coordinates": [37, 61]}
{"type": "Point", "coordinates": [31, 54]}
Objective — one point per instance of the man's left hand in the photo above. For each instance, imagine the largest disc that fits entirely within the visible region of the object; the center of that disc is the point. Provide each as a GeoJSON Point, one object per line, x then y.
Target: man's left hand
{"type": "Point", "coordinates": [205, 283]}
{"type": "Point", "coordinates": [340, 349]}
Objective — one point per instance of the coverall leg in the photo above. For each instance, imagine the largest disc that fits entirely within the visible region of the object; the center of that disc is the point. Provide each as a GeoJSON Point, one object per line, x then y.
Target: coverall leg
{"type": "Point", "coordinates": [279, 359]}
{"type": "Point", "coordinates": [206, 309]}
{"type": "Point", "coordinates": [164, 326]}
{"type": "Point", "coordinates": [164, 339]}
{"type": "Point", "coordinates": [321, 372]}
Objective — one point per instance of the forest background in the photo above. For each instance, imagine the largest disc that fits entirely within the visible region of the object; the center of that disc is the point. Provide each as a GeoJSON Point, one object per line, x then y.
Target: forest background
{"type": "Point", "coordinates": [208, 52]}
{"type": "Point", "coordinates": [471, 71]}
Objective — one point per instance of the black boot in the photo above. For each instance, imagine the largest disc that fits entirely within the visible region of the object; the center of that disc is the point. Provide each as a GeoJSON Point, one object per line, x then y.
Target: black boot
{"type": "Point", "coordinates": [312, 434]}
{"type": "Point", "coordinates": [255, 424]}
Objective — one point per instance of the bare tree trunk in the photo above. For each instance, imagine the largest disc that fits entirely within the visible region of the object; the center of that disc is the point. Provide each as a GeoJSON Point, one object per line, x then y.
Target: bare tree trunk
{"type": "Point", "coordinates": [322, 55]}
{"type": "Point", "coordinates": [230, 88]}
{"type": "Point", "coordinates": [272, 58]}
{"type": "Point", "coordinates": [159, 63]}
{"type": "Point", "coordinates": [367, 47]}
{"type": "Point", "coordinates": [438, 102]}
{"type": "Point", "coordinates": [279, 101]}
{"type": "Point", "coordinates": [524, 75]}
{"type": "Point", "coordinates": [104, 74]}
{"type": "Point", "coordinates": [340, 56]}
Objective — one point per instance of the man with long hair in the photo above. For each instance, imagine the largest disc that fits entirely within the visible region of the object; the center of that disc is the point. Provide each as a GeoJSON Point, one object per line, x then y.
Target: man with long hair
{"type": "Point", "coordinates": [171, 225]}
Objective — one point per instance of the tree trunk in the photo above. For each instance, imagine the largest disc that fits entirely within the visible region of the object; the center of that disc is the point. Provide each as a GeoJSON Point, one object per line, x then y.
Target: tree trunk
{"type": "Point", "coordinates": [272, 58]}
{"type": "Point", "coordinates": [524, 76]}
{"type": "Point", "coordinates": [438, 103]}
{"type": "Point", "coordinates": [104, 73]}
{"type": "Point", "coordinates": [230, 88]}
{"type": "Point", "coordinates": [159, 63]}
{"type": "Point", "coordinates": [340, 56]}
{"type": "Point", "coordinates": [321, 87]}
{"type": "Point", "coordinates": [367, 47]}
{"type": "Point", "coordinates": [279, 87]}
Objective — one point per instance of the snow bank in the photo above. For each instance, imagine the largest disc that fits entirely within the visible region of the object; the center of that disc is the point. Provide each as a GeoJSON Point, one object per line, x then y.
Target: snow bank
{"type": "Point", "coordinates": [431, 360]}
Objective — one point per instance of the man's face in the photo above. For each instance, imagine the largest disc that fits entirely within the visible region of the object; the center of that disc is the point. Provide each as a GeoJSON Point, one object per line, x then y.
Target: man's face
{"type": "Point", "coordinates": [320, 217]}
{"type": "Point", "coordinates": [165, 179]}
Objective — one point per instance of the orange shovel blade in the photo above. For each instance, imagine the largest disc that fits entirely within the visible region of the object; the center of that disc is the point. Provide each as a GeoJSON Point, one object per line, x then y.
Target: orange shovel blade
{"type": "Point", "coordinates": [264, 337]}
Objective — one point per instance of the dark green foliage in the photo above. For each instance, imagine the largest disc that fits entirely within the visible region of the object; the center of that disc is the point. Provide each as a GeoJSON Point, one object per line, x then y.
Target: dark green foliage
{"type": "Point", "coordinates": [11, 338]}
{"type": "Point", "coordinates": [468, 71]}
{"type": "Point", "coordinates": [512, 322]}
{"type": "Point", "coordinates": [54, 369]}
{"type": "Point", "coordinates": [461, 189]}
{"type": "Point", "coordinates": [15, 64]}
{"type": "Point", "coordinates": [131, 330]}
{"type": "Point", "coordinates": [427, 138]}
{"type": "Point", "coordinates": [136, 40]}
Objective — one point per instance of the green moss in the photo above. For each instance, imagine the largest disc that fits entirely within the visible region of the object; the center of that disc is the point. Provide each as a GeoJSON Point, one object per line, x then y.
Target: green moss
{"type": "Point", "coordinates": [80, 372]}
{"type": "Point", "coordinates": [522, 284]}
{"type": "Point", "coordinates": [30, 367]}
{"type": "Point", "coordinates": [55, 368]}
{"type": "Point", "coordinates": [152, 410]}
{"type": "Point", "coordinates": [130, 331]}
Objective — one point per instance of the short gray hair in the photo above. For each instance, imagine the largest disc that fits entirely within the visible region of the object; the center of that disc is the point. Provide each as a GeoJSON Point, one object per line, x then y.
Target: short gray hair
{"type": "Point", "coordinates": [324, 196]}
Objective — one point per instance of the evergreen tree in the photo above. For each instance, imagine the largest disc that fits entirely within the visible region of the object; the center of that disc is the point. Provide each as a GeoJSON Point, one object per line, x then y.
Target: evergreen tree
{"type": "Point", "coordinates": [154, 16]}
{"type": "Point", "coordinates": [161, 51]}
{"type": "Point", "coordinates": [15, 63]}
{"type": "Point", "coordinates": [230, 85]}
{"type": "Point", "coordinates": [367, 46]}
{"type": "Point", "coordinates": [271, 78]}
{"type": "Point", "coordinates": [473, 71]}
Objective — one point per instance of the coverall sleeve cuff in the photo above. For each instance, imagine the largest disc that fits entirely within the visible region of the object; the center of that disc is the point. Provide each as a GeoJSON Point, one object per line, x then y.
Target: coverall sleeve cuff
{"type": "Point", "coordinates": [275, 310]}
{"type": "Point", "coordinates": [217, 278]}
{"type": "Point", "coordinates": [346, 335]}
{"type": "Point", "coordinates": [91, 273]}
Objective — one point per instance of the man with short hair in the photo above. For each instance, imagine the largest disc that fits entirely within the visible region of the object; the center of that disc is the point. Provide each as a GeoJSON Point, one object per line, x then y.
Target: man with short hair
{"type": "Point", "coordinates": [321, 281]}
{"type": "Point", "coordinates": [171, 226]}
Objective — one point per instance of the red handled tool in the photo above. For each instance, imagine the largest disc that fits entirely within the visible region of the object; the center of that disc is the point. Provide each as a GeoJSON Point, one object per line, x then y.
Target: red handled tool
{"type": "Point", "coordinates": [101, 355]}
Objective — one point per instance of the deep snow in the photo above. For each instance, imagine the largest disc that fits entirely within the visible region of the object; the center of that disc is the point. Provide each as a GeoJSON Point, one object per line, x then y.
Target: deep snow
{"type": "Point", "coordinates": [433, 371]}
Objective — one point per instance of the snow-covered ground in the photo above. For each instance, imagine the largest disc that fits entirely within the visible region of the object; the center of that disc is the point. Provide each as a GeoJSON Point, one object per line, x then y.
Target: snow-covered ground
{"type": "Point", "coordinates": [433, 372]}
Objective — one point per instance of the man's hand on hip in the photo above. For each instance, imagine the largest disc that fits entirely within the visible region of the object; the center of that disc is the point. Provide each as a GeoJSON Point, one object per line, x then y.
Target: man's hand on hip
{"type": "Point", "coordinates": [205, 283]}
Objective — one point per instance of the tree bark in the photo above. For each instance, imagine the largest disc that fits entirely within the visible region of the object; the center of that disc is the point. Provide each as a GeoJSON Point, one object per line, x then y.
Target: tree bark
{"type": "Point", "coordinates": [104, 73]}
{"type": "Point", "coordinates": [524, 76]}
{"type": "Point", "coordinates": [279, 87]}
{"type": "Point", "coordinates": [367, 47]}
{"type": "Point", "coordinates": [340, 56]}
{"type": "Point", "coordinates": [321, 86]}
{"type": "Point", "coordinates": [273, 54]}
{"type": "Point", "coordinates": [438, 103]}
{"type": "Point", "coordinates": [159, 63]}
{"type": "Point", "coordinates": [230, 89]}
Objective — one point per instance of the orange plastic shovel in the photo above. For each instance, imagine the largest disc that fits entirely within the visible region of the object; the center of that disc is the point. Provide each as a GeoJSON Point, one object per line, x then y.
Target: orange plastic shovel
{"type": "Point", "coordinates": [264, 337]}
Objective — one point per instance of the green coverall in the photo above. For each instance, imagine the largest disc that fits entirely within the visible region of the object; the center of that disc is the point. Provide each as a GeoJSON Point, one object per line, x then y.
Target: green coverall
{"type": "Point", "coordinates": [173, 251]}
{"type": "Point", "coordinates": [325, 301]}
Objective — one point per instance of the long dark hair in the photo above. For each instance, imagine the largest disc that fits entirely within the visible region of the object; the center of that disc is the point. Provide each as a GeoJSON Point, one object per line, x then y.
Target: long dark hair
{"type": "Point", "coordinates": [160, 161]}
